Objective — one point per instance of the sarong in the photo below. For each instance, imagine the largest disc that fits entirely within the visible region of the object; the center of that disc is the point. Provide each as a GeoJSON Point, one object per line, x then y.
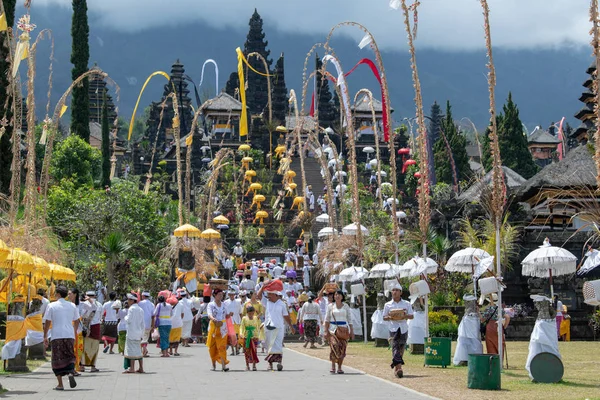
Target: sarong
{"type": "Point", "coordinates": [78, 350]}
{"type": "Point", "coordinates": [398, 345]}
{"type": "Point", "coordinates": [565, 329]}
{"type": "Point", "coordinates": [217, 344]}
{"type": "Point", "coordinates": [559, 320]}
{"type": "Point", "coordinates": [274, 339]}
{"type": "Point", "coordinates": [164, 332]}
{"type": "Point", "coordinates": [186, 330]}
{"type": "Point", "coordinates": [145, 337]}
{"type": "Point", "coordinates": [197, 326]}
{"type": "Point", "coordinates": [109, 331]}
{"type": "Point", "coordinates": [310, 330]}
{"type": "Point", "coordinates": [337, 349]}
{"type": "Point", "coordinates": [543, 340]}
{"type": "Point", "coordinates": [175, 335]}
{"type": "Point", "coordinates": [122, 338]}
{"type": "Point", "coordinates": [491, 338]}
{"type": "Point", "coordinates": [250, 352]}
{"type": "Point", "coordinates": [63, 356]}
{"type": "Point", "coordinates": [133, 349]}
{"type": "Point", "coordinates": [91, 345]}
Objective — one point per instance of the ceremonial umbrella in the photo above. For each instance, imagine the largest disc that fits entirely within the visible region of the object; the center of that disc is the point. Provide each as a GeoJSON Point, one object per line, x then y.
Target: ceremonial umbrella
{"type": "Point", "coordinates": [210, 234]}
{"type": "Point", "coordinates": [352, 229]}
{"type": "Point", "coordinates": [19, 261]}
{"type": "Point", "coordinates": [221, 220]}
{"type": "Point", "coordinates": [548, 261]}
{"type": "Point", "coordinates": [352, 274]}
{"type": "Point", "coordinates": [465, 261]}
{"type": "Point", "coordinates": [58, 272]}
{"type": "Point", "coordinates": [323, 218]}
{"type": "Point", "coordinates": [41, 267]}
{"type": "Point", "coordinates": [223, 227]}
{"type": "Point", "coordinates": [327, 231]}
{"type": "Point", "coordinates": [187, 230]}
{"type": "Point", "coordinates": [592, 261]}
{"type": "Point", "coordinates": [421, 266]}
{"type": "Point", "coordinates": [381, 270]}
{"type": "Point", "coordinates": [4, 250]}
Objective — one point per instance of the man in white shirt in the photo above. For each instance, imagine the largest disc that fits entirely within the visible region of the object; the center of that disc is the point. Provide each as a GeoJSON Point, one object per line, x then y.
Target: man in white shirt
{"type": "Point", "coordinates": [238, 252]}
{"type": "Point", "coordinates": [254, 275]}
{"type": "Point", "coordinates": [247, 283]}
{"type": "Point", "coordinates": [176, 328]}
{"type": "Point", "coordinates": [228, 265]}
{"type": "Point", "coordinates": [148, 308]}
{"type": "Point", "coordinates": [64, 318]}
{"type": "Point", "coordinates": [306, 276]}
{"type": "Point", "coordinates": [109, 324]}
{"type": "Point", "coordinates": [101, 292]}
{"type": "Point", "coordinates": [276, 316]}
{"type": "Point", "coordinates": [135, 332]}
{"type": "Point", "coordinates": [277, 271]}
{"type": "Point", "coordinates": [91, 316]}
{"type": "Point", "coordinates": [233, 308]}
{"type": "Point", "coordinates": [188, 317]}
{"type": "Point", "coordinates": [398, 326]}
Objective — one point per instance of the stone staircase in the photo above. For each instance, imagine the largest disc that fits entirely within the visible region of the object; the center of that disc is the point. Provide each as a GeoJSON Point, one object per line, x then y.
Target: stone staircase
{"type": "Point", "coordinates": [312, 169]}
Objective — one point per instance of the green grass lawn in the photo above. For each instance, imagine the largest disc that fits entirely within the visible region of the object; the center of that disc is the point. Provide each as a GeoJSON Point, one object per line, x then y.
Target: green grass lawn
{"type": "Point", "coordinates": [581, 379]}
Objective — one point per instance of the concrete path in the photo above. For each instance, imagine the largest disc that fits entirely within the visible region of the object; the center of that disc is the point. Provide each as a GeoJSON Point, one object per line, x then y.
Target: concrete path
{"type": "Point", "coordinates": [189, 376]}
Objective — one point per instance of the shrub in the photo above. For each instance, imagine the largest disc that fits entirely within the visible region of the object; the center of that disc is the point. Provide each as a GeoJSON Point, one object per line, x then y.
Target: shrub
{"type": "Point", "coordinates": [442, 317]}
{"type": "Point", "coordinates": [445, 329]}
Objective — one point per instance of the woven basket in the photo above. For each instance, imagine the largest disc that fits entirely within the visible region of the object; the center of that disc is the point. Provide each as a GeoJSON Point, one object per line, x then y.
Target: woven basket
{"type": "Point", "coordinates": [488, 285]}
{"type": "Point", "coordinates": [591, 292]}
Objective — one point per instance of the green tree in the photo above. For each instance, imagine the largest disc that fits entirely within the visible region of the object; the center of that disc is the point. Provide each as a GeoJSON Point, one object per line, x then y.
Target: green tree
{"type": "Point", "coordinates": [433, 134]}
{"type": "Point", "coordinates": [80, 56]}
{"type": "Point", "coordinates": [280, 96]}
{"type": "Point", "coordinates": [257, 93]}
{"type": "Point", "coordinates": [513, 143]}
{"type": "Point", "coordinates": [6, 101]}
{"type": "Point", "coordinates": [75, 159]}
{"type": "Point", "coordinates": [458, 147]}
{"type": "Point", "coordinates": [105, 145]}
{"type": "Point", "coordinates": [327, 116]}
{"type": "Point", "coordinates": [114, 246]}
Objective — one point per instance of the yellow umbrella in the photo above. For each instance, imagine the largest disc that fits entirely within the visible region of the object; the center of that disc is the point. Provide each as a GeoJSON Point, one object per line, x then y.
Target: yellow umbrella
{"type": "Point", "coordinates": [41, 267]}
{"type": "Point", "coordinates": [210, 234]}
{"type": "Point", "coordinates": [60, 273]}
{"type": "Point", "coordinates": [187, 229]}
{"type": "Point", "coordinates": [4, 250]}
{"type": "Point", "coordinates": [221, 220]}
{"type": "Point", "coordinates": [281, 129]}
{"type": "Point", "coordinates": [19, 261]}
{"type": "Point", "coordinates": [246, 162]}
{"type": "Point", "coordinates": [244, 147]}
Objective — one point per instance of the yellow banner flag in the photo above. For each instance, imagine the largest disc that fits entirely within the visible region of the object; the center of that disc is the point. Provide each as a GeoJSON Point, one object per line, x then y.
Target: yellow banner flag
{"type": "Point", "coordinates": [189, 140]}
{"type": "Point", "coordinates": [3, 24]}
{"type": "Point", "coordinates": [63, 110]}
{"type": "Point", "coordinates": [244, 116]}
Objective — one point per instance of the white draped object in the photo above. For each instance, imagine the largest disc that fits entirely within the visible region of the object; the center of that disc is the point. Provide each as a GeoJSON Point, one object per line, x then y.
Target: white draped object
{"type": "Point", "coordinates": [469, 339]}
{"type": "Point", "coordinates": [418, 289]}
{"type": "Point", "coordinates": [416, 328]}
{"type": "Point", "coordinates": [488, 285]}
{"type": "Point", "coordinates": [465, 260]}
{"type": "Point", "coordinates": [341, 81]}
{"type": "Point", "coordinates": [357, 325]}
{"type": "Point", "coordinates": [539, 262]}
{"type": "Point", "coordinates": [379, 327]}
{"type": "Point", "coordinates": [486, 264]}
{"type": "Point", "coordinates": [543, 340]}
{"type": "Point", "coordinates": [591, 262]}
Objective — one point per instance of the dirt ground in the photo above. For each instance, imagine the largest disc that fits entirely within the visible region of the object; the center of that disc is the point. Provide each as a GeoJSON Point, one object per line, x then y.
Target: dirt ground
{"type": "Point", "coordinates": [581, 379]}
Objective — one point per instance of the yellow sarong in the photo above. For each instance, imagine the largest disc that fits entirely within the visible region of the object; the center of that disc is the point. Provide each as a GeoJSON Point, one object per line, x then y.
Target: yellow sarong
{"type": "Point", "coordinates": [217, 344]}
{"type": "Point", "coordinates": [175, 335]}
{"type": "Point", "coordinates": [565, 329]}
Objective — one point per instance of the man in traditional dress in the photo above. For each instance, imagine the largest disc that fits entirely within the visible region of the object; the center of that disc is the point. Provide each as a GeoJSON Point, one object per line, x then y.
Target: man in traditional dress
{"type": "Point", "coordinates": [148, 308]}
{"type": "Point", "coordinates": [398, 326]}
{"type": "Point", "coordinates": [234, 310]}
{"type": "Point", "coordinates": [276, 316]}
{"type": "Point", "coordinates": [135, 332]}
{"type": "Point", "coordinates": [64, 318]}
{"type": "Point", "coordinates": [109, 324]}
{"type": "Point", "coordinates": [92, 313]}
{"type": "Point", "coordinates": [188, 317]}
{"type": "Point", "coordinates": [238, 253]}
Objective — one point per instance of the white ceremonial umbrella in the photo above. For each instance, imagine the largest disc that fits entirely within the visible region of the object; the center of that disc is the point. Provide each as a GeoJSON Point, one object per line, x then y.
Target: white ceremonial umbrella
{"type": "Point", "coordinates": [380, 270]}
{"type": "Point", "coordinates": [352, 229]}
{"type": "Point", "coordinates": [368, 150]}
{"type": "Point", "coordinates": [421, 266]}
{"type": "Point", "coordinates": [400, 214]}
{"type": "Point", "coordinates": [465, 261]}
{"type": "Point", "coordinates": [352, 274]}
{"type": "Point", "coordinates": [341, 187]}
{"type": "Point", "coordinates": [373, 162]}
{"type": "Point", "coordinates": [548, 261]}
{"type": "Point", "coordinates": [383, 173]}
{"type": "Point", "coordinates": [341, 173]}
{"type": "Point", "coordinates": [592, 261]}
{"type": "Point", "coordinates": [324, 218]}
{"type": "Point", "coordinates": [326, 232]}
{"type": "Point", "coordinates": [486, 264]}
{"type": "Point", "coordinates": [390, 200]}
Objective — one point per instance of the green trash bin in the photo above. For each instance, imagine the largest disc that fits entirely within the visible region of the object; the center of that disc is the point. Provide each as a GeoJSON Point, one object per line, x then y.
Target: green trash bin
{"type": "Point", "coordinates": [484, 372]}
{"type": "Point", "coordinates": [437, 351]}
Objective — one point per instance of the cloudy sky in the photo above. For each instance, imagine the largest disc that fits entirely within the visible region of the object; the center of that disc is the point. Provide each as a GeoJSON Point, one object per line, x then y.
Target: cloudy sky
{"type": "Point", "coordinates": [443, 24]}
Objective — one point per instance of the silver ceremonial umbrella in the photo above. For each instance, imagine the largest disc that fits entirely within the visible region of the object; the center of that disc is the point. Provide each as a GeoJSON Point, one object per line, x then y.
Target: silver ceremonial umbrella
{"type": "Point", "coordinates": [548, 261]}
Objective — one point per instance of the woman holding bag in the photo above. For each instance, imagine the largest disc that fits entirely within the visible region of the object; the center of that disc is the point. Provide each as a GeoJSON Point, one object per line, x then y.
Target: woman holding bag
{"type": "Point", "coordinates": [338, 324]}
{"type": "Point", "coordinates": [162, 321]}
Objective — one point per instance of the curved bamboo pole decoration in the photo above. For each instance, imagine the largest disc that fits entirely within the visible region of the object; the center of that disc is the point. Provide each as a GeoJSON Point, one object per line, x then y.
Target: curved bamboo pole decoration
{"type": "Point", "coordinates": [368, 93]}
{"type": "Point", "coordinates": [351, 145]}
{"type": "Point", "coordinates": [30, 178]}
{"type": "Point", "coordinates": [384, 84]}
{"type": "Point", "coordinates": [331, 211]}
{"type": "Point", "coordinates": [162, 106]}
{"type": "Point", "coordinates": [137, 103]}
{"type": "Point", "coordinates": [424, 200]}
{"type": "Point", "coordinates": [595, 32]}
{"type": "Point", "coordinates": [177, 137]}
{"type": "Point", "coordinates": [297, 130]}
{"type": "Point", "coordinates": [212, 180]}
{"type": "Point", "coordinates": [268, 76]}
{"type": "Point", "coordinates": [97, 72]}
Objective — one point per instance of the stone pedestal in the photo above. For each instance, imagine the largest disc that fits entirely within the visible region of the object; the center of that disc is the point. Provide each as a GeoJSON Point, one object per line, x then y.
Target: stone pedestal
{"type": "Point", "coordinates": [19, 363]}
{"type": "Point", "coordinates": [37, 352]}
{"type": "Point", "coordinates": [417, 349]}
{"type": "Point", "coordinates": [381, 343]}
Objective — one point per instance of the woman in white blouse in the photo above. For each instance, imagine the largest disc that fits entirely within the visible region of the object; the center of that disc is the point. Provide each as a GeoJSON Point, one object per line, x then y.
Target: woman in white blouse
{"type": "Point", "coordinates": [310, 315]}
{"type": "Point", "coordinates": [216, 340]}
{"type": "Point", "coordinates": [338, 324]}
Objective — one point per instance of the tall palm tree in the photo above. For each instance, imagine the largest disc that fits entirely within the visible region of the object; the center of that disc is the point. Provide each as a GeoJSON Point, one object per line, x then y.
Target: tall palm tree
{"type": "Point", "coordinates": [114, 246]}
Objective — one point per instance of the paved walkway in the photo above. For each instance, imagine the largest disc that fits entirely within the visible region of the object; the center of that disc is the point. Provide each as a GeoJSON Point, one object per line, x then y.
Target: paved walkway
{"type": "Point", "coordinates": [189, 376]}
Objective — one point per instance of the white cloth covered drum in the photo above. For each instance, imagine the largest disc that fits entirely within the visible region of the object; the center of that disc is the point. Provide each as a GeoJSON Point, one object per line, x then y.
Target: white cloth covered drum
{"type": "Point", "coordinates": [591, 292]}
{"type": "Point", "coordinates": [416, 328]}
{"type": "Point", "coordinates": [379, 328]}
{"type": "Point", "coordinates": [543, 340]}
{"type": "Point", "coordinates": [469, 339]}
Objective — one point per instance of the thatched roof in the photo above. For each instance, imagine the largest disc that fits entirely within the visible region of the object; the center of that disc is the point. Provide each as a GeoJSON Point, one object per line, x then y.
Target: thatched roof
{"type": "Point", "coordinates": [308, 123]}
{"type": "Point", "coordinates": [576, 169]}
{"type": "Point", "coordinates": [511, 178]}
{"type": "Point", "coordinates": [271, 251]}
{"type": "Point", "coordinates": [223, 102]}
{"type": "Point", "coordinates": [541, 136]}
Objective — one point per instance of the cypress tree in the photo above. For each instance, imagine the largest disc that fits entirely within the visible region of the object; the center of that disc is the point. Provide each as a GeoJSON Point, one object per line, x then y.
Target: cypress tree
{"type": "Point", "coordinates": [257, 91]}
{"type": "Point", "coordinates": [80, 55]}
{"type": "Point", "coordinates": [233, 83]}
{"type": "Point", "coordinates": [513, 143]}
{"type": "Point", "coordinates": [280, 93]}
{"type": "Point", "coordinates": [433, 134]}
{"type": "Point", "coordinates": [327, 117]}
{"type": "Point", "coordinates": [6, 101]}
{"type": "Point", "coordinates": [105, 144]}
{"type": "Point", "coordinates": [458, 147]}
